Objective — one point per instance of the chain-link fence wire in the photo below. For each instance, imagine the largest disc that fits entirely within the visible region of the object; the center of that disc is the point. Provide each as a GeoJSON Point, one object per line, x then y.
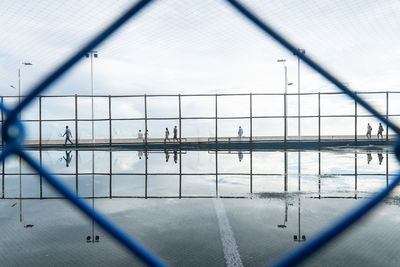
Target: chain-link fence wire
{"type": "Point", "coordinates": [13, 134]}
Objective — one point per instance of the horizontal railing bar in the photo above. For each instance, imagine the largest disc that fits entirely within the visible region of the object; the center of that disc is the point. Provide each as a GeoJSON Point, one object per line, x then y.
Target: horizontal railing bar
{"type": "Point", "coordinates": [209, 94]}
{"type": "Point", "coordinates": [212, 118]}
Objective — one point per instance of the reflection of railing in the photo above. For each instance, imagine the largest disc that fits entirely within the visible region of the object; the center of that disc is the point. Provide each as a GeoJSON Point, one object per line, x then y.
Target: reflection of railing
{"type": "Point", "coordinates": [76, 118]}
{"type": "Point", "coordinates": [177, 158]}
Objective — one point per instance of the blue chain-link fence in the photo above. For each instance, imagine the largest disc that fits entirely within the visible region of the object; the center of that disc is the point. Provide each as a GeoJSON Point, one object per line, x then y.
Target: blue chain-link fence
{"type": "Point", "coordinates": [13, 135]}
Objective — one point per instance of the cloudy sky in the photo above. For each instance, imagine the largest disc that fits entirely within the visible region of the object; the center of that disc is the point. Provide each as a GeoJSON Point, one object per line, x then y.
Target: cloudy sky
{"type": "Point", "coordinates": [200, 46]}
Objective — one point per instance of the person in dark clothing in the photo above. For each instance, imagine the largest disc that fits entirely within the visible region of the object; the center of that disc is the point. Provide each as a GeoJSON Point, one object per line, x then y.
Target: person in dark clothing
{"type": "Point", "coordinates": [68, 135]}
{"type": "Point", "coordinates": [166, 135]}
{"type": "Point", "coordinates": [380, 131]}
{"type": "Point", "coordinates": [175, 134]}
{"type": "Point", "coordinates": [67, 158]}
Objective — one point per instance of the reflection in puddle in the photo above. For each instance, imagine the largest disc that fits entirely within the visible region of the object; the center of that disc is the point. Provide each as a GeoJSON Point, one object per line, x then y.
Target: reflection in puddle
{"type": "Point", "coordinates": [163, 198]}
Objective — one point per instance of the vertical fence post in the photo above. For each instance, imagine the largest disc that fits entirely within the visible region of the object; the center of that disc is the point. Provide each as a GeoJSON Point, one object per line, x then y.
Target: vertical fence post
{"type": "Point", "coordinates": [145, 172]}
{"type": "Point", "coordinates": [319, 119]}
{"type": "Point", "coordinates": [40, 122]}
{"type": "Point", "coordinates": [110, 173]}
{"type": "Point", "coordinates": [387, 168]}
{"type": "Point", "coordinates": [285, 119]}
{"type": "Point", "coordinates": [251, 143]}
{"type": "Point", "coordinates": [355, 174]}
{"type": "Point", "coordinates": [251, 121]}
{"type": "Point", "coordinates": [285, 186]}
{"type": "Point", "coordinates": [180, 173]}
{"type": "Point", "coordinates": [40, 177]}
{"type": "Point", "coordinates": [110, 123]}
{"type": "Point", "coordinates": [145, 125]}
{"type": "Point", "coordinates": [145, 140]}
{"type": "Point", "coordinates": [180, 120]}
{"type": "Point", "coordinates": [76, 121]}
{"type": "Point", "coordinates": [387, 116]}
{"type": "Point", "coordinates": [355, 122]}
{"type": "Point", "coordinates": [216, 145]}
{"type": "Point", "coordinates": [319, 174]}
{"type": "Point", "coordinates": [180, 146]}
{"type": "Point", "coordinates": [2, 144]}
{"type": "Point", "coordinates": [76, 172]}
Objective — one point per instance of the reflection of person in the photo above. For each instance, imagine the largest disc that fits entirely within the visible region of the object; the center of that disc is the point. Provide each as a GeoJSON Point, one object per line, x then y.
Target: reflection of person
{"type": "Point", "coordinates": [240, 156]}
{"type": "Point", "coordinates": [140, 135]}
{"type": "Point", "coordinates": [140, 154]}
{"type": "Point", "coordinates": [67, 158]}
{"type": "Point", "coordinates": [240, 131]}
{"type": "Point", "coordinates": [369, 157]}
{"type": "Point", "coordinates": [166, 155]}
{"type": "Point", "coordinates": [67, 135]}
{"type": "Point", "coordinates": [166, 135]}
{"type": "Point", "coordinates": [175, 156]}
{"type": "Point", "coordinates": [380, 131]}
{"type": "Point", "coordinates": [369, 129]}
{"type": "Point", "coordinates": [380, 158]}
{"type": "Point", "coordinates": [175, 134]}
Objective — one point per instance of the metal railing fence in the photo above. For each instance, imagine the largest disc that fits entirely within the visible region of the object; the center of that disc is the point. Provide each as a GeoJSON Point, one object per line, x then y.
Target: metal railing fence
{"type": "Point", "coordinates": [253, 118]}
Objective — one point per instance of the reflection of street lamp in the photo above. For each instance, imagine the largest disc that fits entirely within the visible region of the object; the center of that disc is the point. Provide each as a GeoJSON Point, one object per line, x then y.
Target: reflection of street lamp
{"type": "Point", "coordinates": [299, 237]}
{"type": "Point", "coordinates": [92, 238]}
{"type": "Point", "coordinates": [286, 212]}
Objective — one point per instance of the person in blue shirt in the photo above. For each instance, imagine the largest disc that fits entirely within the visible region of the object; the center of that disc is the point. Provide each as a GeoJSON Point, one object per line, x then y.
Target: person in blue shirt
{"type": "Point", "coordinates": [67, 135]}
{"type": "Point", "coordinates": [240, 132]}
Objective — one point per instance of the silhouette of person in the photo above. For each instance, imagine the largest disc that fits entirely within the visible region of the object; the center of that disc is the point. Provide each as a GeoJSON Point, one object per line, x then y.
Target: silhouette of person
{"type": "Point", "coordinates": [380, 158]}
{"type": "Point", "coordinates": [68, 135]}
{"type": "Point", "coordinates": [140, 154]}
{"type": "Point", "coordinates": [240, 156]}
{"type": "Point", "coordinates": [380, 131]}
{"type": "Point", "coordinates": [67, 158]}
{"type": "Point", "coordinates": [175, 134]}
{"type": "Point", "coordinates": [166, 155]}
{"type": "Point", "coordinates": [369, 157]}
{"type": "Point", "coordinates": [369, 130]}
{"type": "Point", "coordinates": [140, 135]}
{"type": "Point", "coordinates": [175, 156]}
{"type": "Point", "coordinates": [240, 131]}
{"type": "Point", "coordinates": [166, 135]}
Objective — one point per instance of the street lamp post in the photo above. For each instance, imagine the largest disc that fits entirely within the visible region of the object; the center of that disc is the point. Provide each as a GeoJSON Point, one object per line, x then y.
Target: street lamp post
{"type": "Point", "coordinates": [20, 160]}
{"type": "Point", "coordinates": [300, 51]}
{"type": "Point", "coordinates": [285, 96]}
{"type": "Point", "coordinates": [92, 54]}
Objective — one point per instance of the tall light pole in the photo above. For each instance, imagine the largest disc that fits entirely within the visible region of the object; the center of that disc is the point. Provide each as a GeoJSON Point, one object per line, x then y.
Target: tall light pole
{"type": "Point", "coordinates": [20, 160]}
{"type": "Point", "coordinates": [92, 54]}
{"type": "Point", "coordinates": [300, 51]}
{"type": "Point", "coordinates": [285, 95]}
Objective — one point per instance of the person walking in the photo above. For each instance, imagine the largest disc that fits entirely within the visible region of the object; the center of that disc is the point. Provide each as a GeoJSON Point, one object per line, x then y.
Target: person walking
{"type": "Point", "coordinates": [380, 131]}
{"type": "Point", "coordinates": [166, 135]}
{"type": "Point", "coordinates": [175, 134]}
{"type": "Point", "coordinates": [240, 132]}
{"type": "Point", "coordinates": [369, 130]}
{"type": "Point", "coordinates": [68, 135]}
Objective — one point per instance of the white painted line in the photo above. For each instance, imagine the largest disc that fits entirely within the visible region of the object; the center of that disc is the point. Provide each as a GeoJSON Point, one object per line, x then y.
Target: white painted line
{"type": "Point", "coordinates": [231, 252]}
